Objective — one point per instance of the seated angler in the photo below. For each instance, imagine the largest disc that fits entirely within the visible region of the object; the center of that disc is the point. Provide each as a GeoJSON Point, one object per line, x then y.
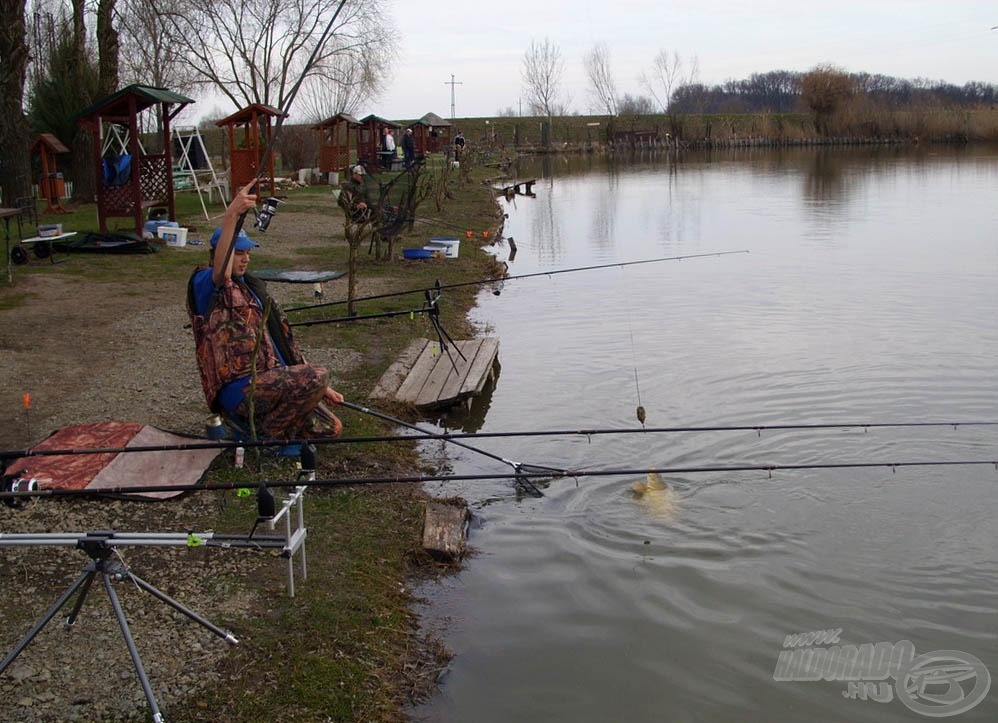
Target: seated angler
{"type": "Point", "coordinates": [356, 196]}
{"type": "Point", "coordinates": [252, 370]}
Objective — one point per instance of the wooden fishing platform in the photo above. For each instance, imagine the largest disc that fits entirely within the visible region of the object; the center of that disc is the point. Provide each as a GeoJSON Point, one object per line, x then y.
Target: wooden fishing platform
{"type": "Point", "coordinates": [425, 376]}
{"type": "Point", "coordinates": [518, 187]}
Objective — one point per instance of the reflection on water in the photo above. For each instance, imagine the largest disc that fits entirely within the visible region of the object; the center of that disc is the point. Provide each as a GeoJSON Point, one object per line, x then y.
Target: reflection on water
{"type": "Point", "coordinates": [471, 417]}
{"type": "Point", "coordinates": [869, 294]}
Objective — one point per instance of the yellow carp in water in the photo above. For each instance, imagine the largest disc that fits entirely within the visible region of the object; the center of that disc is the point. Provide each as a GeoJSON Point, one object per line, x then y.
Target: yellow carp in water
{"type": "Point", "coordinates": [654, 494]}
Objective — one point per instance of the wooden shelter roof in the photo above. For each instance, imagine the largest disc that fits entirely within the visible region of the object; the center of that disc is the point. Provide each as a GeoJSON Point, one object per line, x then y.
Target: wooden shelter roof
{"type": "Point", "coordinates": [336, 119]}
{"type": "Point", "coordinates": [118, 105]}
{"type": "Point", "coordinates": [244, 115]}
{"type": "Point", "coordinates": [432, 120]}
{"type": "Point", "coordinates": [49, 141]}
{"type": "Point", "coordinates": [379, 120]}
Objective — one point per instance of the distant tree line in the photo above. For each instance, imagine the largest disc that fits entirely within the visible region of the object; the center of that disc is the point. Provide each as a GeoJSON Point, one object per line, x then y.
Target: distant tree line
{"type": "Point", "coordinates": [838, 103]}
{"type": "Point", "coordinates": [782, 91]}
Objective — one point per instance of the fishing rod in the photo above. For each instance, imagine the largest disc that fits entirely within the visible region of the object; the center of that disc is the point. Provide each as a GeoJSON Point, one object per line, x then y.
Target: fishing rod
{"type": "Point", "coordinates": [455, 436]}
{"type": "Point", "coordinates": [758, 428]}
{"type": "Point", "coordinates": [523, 474]}
{"type": "Point", "coordinates": [521, 276]}
{"type": "Point", "coordinates": [430, 306]}
{"type": "Point", "coordinates": [361, 317]}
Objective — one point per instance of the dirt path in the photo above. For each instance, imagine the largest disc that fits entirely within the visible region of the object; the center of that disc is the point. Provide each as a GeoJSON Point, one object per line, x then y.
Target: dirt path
{"type": "Point", "coordinates": [119, 351]}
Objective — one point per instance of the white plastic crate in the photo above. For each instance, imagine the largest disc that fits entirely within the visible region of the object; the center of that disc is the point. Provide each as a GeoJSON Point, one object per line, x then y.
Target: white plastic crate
{"type": "Point", "coordinates": [173, 235]}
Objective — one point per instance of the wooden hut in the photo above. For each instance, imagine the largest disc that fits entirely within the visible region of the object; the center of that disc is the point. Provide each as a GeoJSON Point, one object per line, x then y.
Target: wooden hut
{"type": "Point", "coordinates": [51, 186]}
{"type": "Point", "coordinates": [334, 143]}
{"type": "Point", "coordinates": [130, 180]}
{"type": "Point", "coordinates": [369, 142]}
{"type": "Point", "coordinates": [431, 133]}
{"type": "Point", "coordinates": [248, 147]}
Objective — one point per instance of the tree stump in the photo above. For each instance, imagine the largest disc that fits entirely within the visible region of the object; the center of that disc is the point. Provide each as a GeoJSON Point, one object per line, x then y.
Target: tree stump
{"type": "Point", "coordinates": [445, 530]}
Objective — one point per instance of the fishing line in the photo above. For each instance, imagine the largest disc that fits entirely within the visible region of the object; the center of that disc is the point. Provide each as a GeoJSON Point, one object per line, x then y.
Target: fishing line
{"type": "Point", "coordinates": [518, 276]}
{"type": "Point", "coordinates": [520, 470]}
{"type": "Point", "coordinates": [523, 474]}
{"type": "Point", "coordinates": [640, 412]}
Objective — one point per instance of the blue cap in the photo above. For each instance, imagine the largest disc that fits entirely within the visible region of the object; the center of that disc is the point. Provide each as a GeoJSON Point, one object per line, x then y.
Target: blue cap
{"type": "Point", "coordinates": [243, 242]}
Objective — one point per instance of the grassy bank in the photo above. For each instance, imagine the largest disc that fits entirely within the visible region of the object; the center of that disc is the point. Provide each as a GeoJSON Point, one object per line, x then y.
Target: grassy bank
{"type": "Point", "coordinates": [346, 648]}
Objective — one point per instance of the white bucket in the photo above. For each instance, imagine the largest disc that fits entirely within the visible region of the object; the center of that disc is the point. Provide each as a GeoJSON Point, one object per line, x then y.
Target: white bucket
{"type": "Point", "coordinates": [449, 245]}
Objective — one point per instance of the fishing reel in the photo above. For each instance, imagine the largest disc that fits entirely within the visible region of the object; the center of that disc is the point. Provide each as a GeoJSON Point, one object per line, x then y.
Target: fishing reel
{"type": "Point", "coordinates": [16, 482]}
{"type": "Point", "coordinates": [265, 214]}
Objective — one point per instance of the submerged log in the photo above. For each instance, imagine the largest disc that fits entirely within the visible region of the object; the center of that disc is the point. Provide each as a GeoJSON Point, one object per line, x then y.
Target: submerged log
{"type": "Point", "coordinates": [445, 529]}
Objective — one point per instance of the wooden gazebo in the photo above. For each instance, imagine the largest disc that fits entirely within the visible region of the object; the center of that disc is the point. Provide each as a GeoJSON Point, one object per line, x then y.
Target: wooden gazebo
{"type": "Point", "coordinates": [246, 153]}
{"type": "Point", "coordinates": [334, 143]}
{"type": "Point", "coordinates": [431, 133]}
{"type": "Point", "coordinates": [51, 186]}
{"type": "Point", "coordinates": [369, 134]}
{"type": "Point", "coordinates": [129, 180]}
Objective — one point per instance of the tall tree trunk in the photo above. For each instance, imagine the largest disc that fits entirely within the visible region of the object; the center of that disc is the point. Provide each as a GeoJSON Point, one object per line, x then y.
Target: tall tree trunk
{"type": "Point", "coordinates": [107, 49]}
{"type": "Point", "coordinates": [15, 165]}
{"type": "Point", "coordinates": [82, 156]}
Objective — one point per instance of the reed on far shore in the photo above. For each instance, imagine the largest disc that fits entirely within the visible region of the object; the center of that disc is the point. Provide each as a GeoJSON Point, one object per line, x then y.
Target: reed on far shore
{"type": "Point", "coordinates": [854, 124]}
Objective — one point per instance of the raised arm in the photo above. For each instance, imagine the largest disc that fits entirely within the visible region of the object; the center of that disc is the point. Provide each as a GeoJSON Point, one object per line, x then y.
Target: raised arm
{"type": "Point", "coordinates": [242, 202]}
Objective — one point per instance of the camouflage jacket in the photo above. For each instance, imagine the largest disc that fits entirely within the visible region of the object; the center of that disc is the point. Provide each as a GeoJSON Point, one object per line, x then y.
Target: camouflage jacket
{"type": "Point", "coordinates": [228, 339]}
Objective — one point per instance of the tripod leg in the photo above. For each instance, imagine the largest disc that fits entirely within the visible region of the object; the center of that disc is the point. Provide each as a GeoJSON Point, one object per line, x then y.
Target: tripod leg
{"type": "Point", "coordinates": [443, 345]}
{"type": "Point", "coordinates": [156, 592]}
{"type": "Point", "coordinates": [443, 333]}
{"type": "Point", "coordinates": [71, 618]}
{"type": "Point", "coordinates": [132, 650]}
{"type": "Point", "coordinates": [87, 577]}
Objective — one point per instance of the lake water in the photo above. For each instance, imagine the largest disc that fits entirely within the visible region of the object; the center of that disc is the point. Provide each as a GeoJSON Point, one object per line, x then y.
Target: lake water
{"type": "Point", "coordinates": [869, 294]}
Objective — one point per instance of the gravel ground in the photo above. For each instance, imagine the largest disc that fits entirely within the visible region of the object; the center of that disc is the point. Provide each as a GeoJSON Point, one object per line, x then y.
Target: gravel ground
{"type": "Point", "coordinates": [91, 353]}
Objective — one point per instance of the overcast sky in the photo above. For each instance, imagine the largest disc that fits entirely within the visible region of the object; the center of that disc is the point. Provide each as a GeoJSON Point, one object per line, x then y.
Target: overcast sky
{"type": "Point", "coordinates": [482, 44]}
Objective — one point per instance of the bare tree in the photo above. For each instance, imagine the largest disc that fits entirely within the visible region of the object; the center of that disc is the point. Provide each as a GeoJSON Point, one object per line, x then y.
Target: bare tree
{"type": "Point", "coordinates": [543, 67]}
{"type": "Point", "coordinates": [635, 105]}
{"type": "Point", "coordinates": [347, 82]}
{"type": "Point", "coordinates": [254, 51]}
{"type": "Point", "coordinates": [667, 74]}
{"type": "Point", "coordinates": [153, 54]}
{"type": "Point", "coordinates": [15, 167]}
{"type": "Point", "coordinates": [602, 87]}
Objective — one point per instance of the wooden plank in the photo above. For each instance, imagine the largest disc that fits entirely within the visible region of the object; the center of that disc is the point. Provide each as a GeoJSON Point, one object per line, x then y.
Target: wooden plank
{"type": "Point", "coordinates": [448, 387]}
{"type": "Point", "coordinates": [481, 366]}
{"type": "Point", "coordinates": [463, 353]}
{"type": "Point", "coordinates": [421, 370]}
{"type": "Point", "coordinates": [431, 393]}
{"type": "Point", "coordinates": [390, 382]}
{"type": "Point", "coordinates": [445, 528]}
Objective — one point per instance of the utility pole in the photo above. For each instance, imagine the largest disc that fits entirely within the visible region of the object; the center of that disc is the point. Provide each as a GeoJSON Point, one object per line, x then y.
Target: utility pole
{"type": "Point", "coordinates": [452, 83]}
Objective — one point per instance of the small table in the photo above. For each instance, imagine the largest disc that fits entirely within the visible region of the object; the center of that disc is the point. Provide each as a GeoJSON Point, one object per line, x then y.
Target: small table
{"type": "Point", "coordinates": [43, 248]}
